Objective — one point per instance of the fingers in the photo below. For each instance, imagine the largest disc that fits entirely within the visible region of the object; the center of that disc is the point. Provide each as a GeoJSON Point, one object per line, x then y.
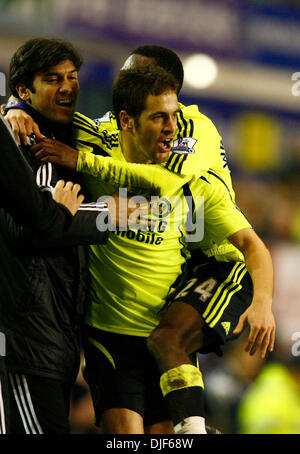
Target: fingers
{"type": "Point", "coordinates": [251, 341]}
{"type": "Point", "coordinates": [36, 131]}
{"type": "Point", "coordinates": [22, 126]}
{"type": "Point", "coordinates": [240, 326]}
{"type": "Point", "coordinates": [272, 340]}
{"type": "Point", "coordinates": [60, 184]}
{"type": "Point", "coordinates": [76, 188]}
{"type": "Point", "coordinates": [262, 340]}
{"type": "Point", "coordinates": [15, 129]}
{"type": "Point", "coordinates": [43, 151]}
{"type": "Point", "coordinates": [67, 194]}
{"type": "Point", "coordinates": [80, 199]}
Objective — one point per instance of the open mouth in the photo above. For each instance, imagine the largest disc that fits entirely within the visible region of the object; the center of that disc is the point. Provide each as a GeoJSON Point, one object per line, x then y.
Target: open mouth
{"type": "Point", "coordinates": [65, 103]}
{"type": "Point", "coordinates": [165, 146]}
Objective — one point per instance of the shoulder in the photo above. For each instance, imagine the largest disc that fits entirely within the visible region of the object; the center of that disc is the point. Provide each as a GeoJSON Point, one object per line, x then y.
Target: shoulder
{"type": "Point", "coordinates": [107, 121]}
{"type": "Point", "coordinates": [80, 120]}
{"type": "Point", "coordinates": [199, 122]}
{"type": "Point", "coordinates": [196, 146]}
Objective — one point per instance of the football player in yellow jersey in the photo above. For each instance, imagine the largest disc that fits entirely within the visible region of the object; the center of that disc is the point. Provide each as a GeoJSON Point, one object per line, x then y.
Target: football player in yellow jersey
{"type": "Point", "coordinates": [202, 317]}
{"type": "Point", "coordinates": [261, 335]}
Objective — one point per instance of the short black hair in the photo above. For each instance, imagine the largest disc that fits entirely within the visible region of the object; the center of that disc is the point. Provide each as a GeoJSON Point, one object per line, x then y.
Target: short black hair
{"type": "Point", "coordinates": [132, 86]}
{"type": "Point", "coordinates": [164, 57]}
{"type": "Point", "coordinates": [39, 55]}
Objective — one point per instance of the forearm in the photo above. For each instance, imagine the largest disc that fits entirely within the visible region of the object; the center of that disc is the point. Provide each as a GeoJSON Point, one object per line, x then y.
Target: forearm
{"type": "Point", "coordinates": [259, 265]}
{"type": "Point", "coordinates": [137, 178]}
{"type": "Point", "coordinates": [259, 314]}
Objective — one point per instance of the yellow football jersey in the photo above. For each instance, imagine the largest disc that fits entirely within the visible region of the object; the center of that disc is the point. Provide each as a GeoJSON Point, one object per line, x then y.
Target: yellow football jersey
{"type": "Point", "coordinates": [134, 274]}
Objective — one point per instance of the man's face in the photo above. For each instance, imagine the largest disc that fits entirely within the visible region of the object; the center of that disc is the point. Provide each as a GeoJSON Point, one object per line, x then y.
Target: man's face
{"type": "Point", "coordinates": [154, 131]}
{"type": "Point", "coordinates": [56, 92]}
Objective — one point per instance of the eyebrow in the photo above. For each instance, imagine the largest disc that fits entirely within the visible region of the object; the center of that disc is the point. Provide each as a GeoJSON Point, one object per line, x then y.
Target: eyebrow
{"type": "Point", "coordinates": [164, 113]}
{"type": "Point", "coordinates": [52, 73]}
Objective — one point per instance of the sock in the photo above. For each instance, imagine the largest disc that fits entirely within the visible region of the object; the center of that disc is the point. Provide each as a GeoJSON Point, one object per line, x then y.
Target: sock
{"type": "Point", "coordinates": [191, 425]}
{"type": "Point", "coordinates": [183, 389]}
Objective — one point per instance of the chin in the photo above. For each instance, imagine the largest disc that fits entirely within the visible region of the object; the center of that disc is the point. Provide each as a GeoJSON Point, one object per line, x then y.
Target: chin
{"type": "Point", "coordinates": [161, 157]}
{"type": "Point", "coordinates": [66, 119]}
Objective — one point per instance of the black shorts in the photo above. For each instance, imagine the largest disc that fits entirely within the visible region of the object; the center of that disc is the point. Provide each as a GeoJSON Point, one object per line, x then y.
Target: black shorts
{"type": "Point", "coordinates": [121, 373]}
{"type": "Point", "coordinates": [220, 292]}
{"type": "Point", "coordinates": [39, 405]}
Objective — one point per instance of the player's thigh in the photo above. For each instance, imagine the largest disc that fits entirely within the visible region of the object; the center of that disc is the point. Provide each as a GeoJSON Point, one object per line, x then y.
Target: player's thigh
{"type": "Point", "coordinates": [163, 427]}
{"type": "Point", "coordinates": [39, 405]}
{"type": "Point", "coordinates": [220, 292]}
{"type": "Point", "coordinates": [121, 421]}
{"type": "Point", "coordinates": [180, 327]}
{"type": "Point", "coordinates": [115, 374]}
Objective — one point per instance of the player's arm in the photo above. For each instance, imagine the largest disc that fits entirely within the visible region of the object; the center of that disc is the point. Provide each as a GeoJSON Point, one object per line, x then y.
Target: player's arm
{"type": "Point", "coordinates": [137, 178]}
{"type": "Point", "coordinates": [20, 122]}
{"type": "Point", "coordinates": [224, 221]}
{"type": "Point", "coordinates": [259, 315]}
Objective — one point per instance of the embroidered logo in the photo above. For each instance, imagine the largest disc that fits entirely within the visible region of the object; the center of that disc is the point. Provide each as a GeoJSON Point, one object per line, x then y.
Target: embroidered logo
{"type": "Point", "coordinates": [226, 326]}
{"type": "Point", "coordinates": [104, 119]}
{"type": "Point", "coordinates": [184, 145]}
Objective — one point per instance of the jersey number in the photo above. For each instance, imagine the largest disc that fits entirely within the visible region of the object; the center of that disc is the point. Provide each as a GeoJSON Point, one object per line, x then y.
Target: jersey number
{"type": "Point", "coordinates": [204, 289]}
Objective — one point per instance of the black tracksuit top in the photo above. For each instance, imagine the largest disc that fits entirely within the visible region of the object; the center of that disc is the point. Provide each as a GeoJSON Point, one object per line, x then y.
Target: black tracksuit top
{"type": "Point", "coordinates": [43, 276]}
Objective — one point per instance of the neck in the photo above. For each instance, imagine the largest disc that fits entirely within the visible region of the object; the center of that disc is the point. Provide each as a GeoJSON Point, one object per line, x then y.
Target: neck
{"type": "Point", "coordinates": [127, 147]}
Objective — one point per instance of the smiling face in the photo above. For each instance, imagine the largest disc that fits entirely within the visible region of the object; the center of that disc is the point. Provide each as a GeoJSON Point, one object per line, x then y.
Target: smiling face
{"type": "Point", "coordinates": [54, 93]}
{"type": "Point", "coordinates": [151, 134]}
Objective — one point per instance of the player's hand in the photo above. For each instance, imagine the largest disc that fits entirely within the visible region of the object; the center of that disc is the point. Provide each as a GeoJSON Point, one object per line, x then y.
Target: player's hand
{"type": "Point", "coordinates": [67, 195]}
{"type": "Point", "coordinates": [126, 212]}
{"type": "Point", "coordinates": [262, 328]}
{"type": "Point", "coordinates": [48, 150]}
{"type": "Point", "coordinates": [22, 125]}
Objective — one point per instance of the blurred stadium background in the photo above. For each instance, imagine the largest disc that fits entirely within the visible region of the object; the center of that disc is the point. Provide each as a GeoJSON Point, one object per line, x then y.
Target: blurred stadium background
{"type": "Point", "coordinates": [242, 64]}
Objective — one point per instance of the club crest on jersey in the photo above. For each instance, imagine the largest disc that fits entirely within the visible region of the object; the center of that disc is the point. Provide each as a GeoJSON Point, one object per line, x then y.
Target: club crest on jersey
{"type": "Point", "coordinates": [184, 145]}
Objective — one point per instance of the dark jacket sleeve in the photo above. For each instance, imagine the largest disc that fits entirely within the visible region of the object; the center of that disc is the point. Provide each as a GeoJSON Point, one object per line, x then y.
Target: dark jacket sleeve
{"type": "Point", "coordinates": [20, 195]}
{"type": "Point", "coordinates": [83, 231]}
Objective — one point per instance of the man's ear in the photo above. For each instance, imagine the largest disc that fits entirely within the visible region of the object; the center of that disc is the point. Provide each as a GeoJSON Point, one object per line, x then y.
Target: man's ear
{"type": "Point", "coordinates": [23, 92]}
{"type": "Point", "coordinates": [126, 121]}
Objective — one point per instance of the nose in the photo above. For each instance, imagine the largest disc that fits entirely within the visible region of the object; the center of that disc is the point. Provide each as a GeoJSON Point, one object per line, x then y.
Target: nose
{"type": "Point", "coordinates": [65, 86]}
{"type": "Point", "coordinates": [170, 124]}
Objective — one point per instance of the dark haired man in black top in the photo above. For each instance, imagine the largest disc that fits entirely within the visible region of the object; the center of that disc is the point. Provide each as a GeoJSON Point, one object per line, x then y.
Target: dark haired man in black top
{"type": "Point", "coordinates": [34, 209]}
{"type": "Point", "coordinates": [42, 322]}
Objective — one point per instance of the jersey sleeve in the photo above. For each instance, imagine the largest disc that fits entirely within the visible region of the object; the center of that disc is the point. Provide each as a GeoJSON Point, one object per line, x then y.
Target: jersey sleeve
{"type": "Point", "coordinates": [137, 178]}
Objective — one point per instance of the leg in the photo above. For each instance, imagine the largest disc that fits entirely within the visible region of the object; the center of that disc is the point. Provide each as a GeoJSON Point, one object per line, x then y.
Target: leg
{"type": "Point", "coordinates": [4, 398]}
{"type": "Point", "coordinates": [178, 335]}
{"type": "Point", "coordinates": [202, 317]}
{"type": "Point", "coordinates": [115, 374]}
{"type": "Point", "coordinates": [38, 405]}
{"type": "Point", "coordinates": [121, 421]}
{"type": "Point", "coordinates": [163, 427]}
